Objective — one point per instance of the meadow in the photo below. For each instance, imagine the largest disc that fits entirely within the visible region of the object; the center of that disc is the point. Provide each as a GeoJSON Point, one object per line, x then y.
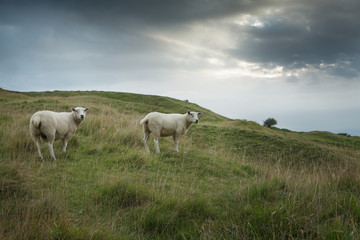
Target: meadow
{"type": "Point", "coordinates": [232, 179]}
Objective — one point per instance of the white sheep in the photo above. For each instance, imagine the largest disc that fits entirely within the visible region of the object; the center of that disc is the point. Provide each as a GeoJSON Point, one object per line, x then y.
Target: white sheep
{"type": "Point", "coordinates": [164, 125]}
{"type": "Point", "coordinates": [53, 126]}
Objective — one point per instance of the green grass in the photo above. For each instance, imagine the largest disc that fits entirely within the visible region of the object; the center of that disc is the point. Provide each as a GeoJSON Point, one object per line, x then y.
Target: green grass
{"type": "Point", "coordinates": [232, 179]}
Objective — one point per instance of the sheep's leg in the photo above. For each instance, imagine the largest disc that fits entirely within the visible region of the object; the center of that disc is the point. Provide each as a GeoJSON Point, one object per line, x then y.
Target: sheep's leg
{"type": "Point", "coordinates": [37, 141]}
{"type": "Point", "coordinates": [146, 137]}
{"type": "Point", "coordinates": [65, 142]}
{"type": "Point", "coordinates": [156, 143]}
{"type": "Point", "coordinates": [176, 143]}
{"type": "Point", "coordinates": [51, 149]}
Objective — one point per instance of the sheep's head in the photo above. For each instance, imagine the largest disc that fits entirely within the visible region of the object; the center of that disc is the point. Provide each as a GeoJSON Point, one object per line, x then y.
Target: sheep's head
{"type": "Point", "coordinates": [80, 113]}
{"type": "Point", "coordinates": [193, 116]}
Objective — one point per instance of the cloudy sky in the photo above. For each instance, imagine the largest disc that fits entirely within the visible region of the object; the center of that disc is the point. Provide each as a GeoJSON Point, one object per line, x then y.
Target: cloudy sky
{"type": "Point", "coordinates": [297, 61]}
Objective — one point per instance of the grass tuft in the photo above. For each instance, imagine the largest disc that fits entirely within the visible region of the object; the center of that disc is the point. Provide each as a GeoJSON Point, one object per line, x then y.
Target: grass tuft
{"type": "Point", "coordinates": [176, 219]}
{"type": "Point", "coordinates": [121, 195]}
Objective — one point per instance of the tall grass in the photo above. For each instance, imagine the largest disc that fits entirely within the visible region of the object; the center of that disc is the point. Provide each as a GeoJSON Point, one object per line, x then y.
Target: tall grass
{"type": "Point", "coordinates": [231, 179]}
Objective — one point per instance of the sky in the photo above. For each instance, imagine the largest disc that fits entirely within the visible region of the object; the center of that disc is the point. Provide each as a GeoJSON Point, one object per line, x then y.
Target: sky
{"type": "Point", "coordinates": [297, 61]}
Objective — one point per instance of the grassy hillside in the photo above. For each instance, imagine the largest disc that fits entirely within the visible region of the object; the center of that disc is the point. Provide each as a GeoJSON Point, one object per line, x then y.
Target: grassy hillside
{"type": "Point", "coordinates": [231, 180]}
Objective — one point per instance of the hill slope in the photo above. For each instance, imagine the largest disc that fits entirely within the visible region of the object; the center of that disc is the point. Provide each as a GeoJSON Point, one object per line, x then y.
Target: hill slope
{"type": "Point", "coordinates": [231, 180]}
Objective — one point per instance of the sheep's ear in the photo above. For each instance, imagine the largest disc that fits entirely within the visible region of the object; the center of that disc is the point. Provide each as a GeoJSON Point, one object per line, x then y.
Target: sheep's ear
{"type": "Point", "coordinates": [189, 112]}
{"type": "Point", "coordinates": [200, 113]}
{"type": "Point", "coordinates": [73, 109]}
{"type": "Point", "coordinates": [87, 109]}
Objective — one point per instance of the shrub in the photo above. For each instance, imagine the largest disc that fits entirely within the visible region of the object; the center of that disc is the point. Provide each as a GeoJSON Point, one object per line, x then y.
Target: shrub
{"type": "Point", "coordinates": [270, 122]}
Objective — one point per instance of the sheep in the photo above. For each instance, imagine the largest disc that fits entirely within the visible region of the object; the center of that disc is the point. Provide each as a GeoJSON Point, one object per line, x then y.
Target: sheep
{"type": "Point", "coordinates": [164, 125]}
{"type": "Point", "coordinates": [53, 126]}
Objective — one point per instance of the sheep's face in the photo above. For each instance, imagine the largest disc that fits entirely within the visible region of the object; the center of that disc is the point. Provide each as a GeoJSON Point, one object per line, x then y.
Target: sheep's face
{"type": "Point", "coordinates": [193, 116]}
{"type": "Point", "coordinates": [80, 113]}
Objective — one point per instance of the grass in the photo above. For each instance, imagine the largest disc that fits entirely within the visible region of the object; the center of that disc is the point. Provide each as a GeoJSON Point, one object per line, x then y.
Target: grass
{"type": "Point", "coordinates": [232, 179]}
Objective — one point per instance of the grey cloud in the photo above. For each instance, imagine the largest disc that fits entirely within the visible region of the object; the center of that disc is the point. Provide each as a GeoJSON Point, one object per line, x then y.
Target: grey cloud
{"type": "Point", "coordinates": [154, 12]}
{"type": "Point", "coordinates": [344, 70]}
{"type": "Point", "coordinates": [163, 11]}
{"type": "Point", "coordinates": [304, 34]}
{"type": "Point", "coordinates": [112, 34]}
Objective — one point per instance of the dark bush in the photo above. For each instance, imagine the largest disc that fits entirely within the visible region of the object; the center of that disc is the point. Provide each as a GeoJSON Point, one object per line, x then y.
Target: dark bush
{"type": "Point", "coordinates": [270, 122]}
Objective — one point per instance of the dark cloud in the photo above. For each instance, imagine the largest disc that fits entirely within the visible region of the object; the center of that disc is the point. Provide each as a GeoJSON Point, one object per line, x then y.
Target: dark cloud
{"type": "Point", "coordinates": [151, 12]}
{"type": "Point", "coordinates": [293, 34]}
{"type": "Point", "coordinates": [55, 38]}
{"type": "Point", "coordinates": [305, 33]}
